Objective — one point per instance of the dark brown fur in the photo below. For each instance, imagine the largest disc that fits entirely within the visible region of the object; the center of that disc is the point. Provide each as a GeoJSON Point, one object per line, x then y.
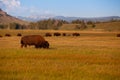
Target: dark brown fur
{"type": "Point", "coordinates": [8, 35]}
{"type": "Point", "coordinates": [64, 34]}
{"type": "Point", "coordinates": [19, 34]}
{"type": "Point", "coordinates": [57, 34]}
{"type": "Point", "coordinates": [48, 34]}
{"type": "Point", "coordinates": [36, 40]}
{"type": "Point", "coordinates": [118, 35]}
{"type": "Point", "coordinates": [76, 34]}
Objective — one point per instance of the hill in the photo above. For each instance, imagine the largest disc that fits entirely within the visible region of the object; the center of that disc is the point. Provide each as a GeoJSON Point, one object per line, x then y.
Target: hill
{"type": "Point", "coordinates": [109, 26]}
{"type": "Point", "coordinates": [6, 18]}
{"type": "Point", "coordinates": [102, 26]}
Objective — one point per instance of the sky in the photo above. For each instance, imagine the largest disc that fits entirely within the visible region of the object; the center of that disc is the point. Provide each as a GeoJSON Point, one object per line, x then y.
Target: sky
{"type": "Point", "coordinates": [68, 8]}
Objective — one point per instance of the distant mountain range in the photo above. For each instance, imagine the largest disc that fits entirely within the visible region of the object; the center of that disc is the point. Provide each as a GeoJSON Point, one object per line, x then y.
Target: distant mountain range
{"type": "Point", "coordinates": [101, 19]}
{"type": "Point", "coordinates": [69, 19]}
{"type": "Point", "coordinates": [6, 18]}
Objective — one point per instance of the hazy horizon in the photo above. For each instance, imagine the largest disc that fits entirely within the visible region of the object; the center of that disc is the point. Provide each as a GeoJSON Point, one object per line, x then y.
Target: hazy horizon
{"type": "Point", "coordinates": [68, 8]}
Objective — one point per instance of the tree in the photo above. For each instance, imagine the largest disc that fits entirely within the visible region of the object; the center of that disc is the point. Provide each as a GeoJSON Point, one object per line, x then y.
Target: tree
{"type": "Point", "coordinates": [93, 25]}
{"type": "Point", "coordinates": [14, 26]}
{"type": "Point", "coordinates": [89, 22]}
{"type": "Point", "coordinates": [77, 26]}
{"type": "Point", "coordinates": [1, 26]}
{"type": "Point", "coordinates": [83, 25]}
{"type": "Point", "coordinates": [76, 21]}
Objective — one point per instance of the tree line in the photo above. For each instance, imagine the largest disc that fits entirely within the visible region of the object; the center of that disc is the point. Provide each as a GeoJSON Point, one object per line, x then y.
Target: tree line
{"type": "Point", "coordinates": [50, 24]}
{"type": "Point", "coordinates": [43, 24]}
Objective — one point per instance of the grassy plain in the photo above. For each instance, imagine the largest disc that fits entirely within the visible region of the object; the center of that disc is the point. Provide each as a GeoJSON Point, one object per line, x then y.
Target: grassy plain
{"type": "Point", "coordinates": [92, 56]}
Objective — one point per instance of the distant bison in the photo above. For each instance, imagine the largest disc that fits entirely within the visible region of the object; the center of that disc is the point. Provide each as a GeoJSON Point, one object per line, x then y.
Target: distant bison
{"type": "Point", "coordinates": [57, 34]}
{"type": "Point", "coordinates": [8, 35]}
{"type": "Point", "coordinates": [64, 34]}
{"type": "Point", "coordinates": [36, 40]}
{"type": "Point", "coordinates": [48, 34]}
{"type": "Point", "coordinates": [118, 35]}
{"type": "Point", "coordinates": [19, 34]}
{"type": "Point", "coordinates": [0, 35]}
{"type": "Point", "coordinates": [76, 34]}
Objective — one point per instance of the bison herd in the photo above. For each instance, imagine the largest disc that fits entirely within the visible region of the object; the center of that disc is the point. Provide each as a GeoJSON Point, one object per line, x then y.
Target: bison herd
{"type": "Point", "coordinates": [52, 34]}
{"type": "Point", "coordinates": [47, 34]}
{"type": "Point", "coordinates": [61, 34]}
{"type": "Point", "coordinates": [38, 41]}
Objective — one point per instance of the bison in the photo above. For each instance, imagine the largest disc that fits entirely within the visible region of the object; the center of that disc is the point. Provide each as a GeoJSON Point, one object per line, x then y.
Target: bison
{"type": "Point", "coordinates": [118, 35]}
{"type": "Point", "coordinates": [57, 34]}
{"type": "Point", "coordinates": [37, 40]}
{"type": "Point", "coordinates": [8, 35]}
{"type": "Point", "coordinates": [48, 34]}
{"type": "Point", "coordinates": [0, 35]}
{"type": "Point", "coordinates": [64, 34]}
{"type": "Point", "coordinates": [76, 34]}
{"type": "Point", "coordinates": [19, 34]}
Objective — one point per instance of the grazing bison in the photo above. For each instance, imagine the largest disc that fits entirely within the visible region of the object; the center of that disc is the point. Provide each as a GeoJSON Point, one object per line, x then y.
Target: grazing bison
{"type": "Point", "coordinates": [8, 35]}
{"type": "Point", "coordinates": [57, 34]}
{"type": "Point", "coordinates": [118, 35]}
{"type": "Point", "coordinates": [0, 35]}
{"type": "Point", "coordinates": [64, 34]}
{"type": "Point", "coordinates": [19, 34]}
{"type": "Point", "coordinates": [36, 40]}
{"type": "Point", "coordinates": [48, 34]}
{"type": "Point", "coordinates": [76, 34]}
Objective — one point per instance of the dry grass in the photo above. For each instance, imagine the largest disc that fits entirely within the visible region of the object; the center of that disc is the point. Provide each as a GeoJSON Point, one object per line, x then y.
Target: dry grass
{"type": "Point", "coordinates": [103, 26]}
{"type": "Point", "coordinates": [109, 26]}
{"type": "Point", "coordinates": [69, 58]}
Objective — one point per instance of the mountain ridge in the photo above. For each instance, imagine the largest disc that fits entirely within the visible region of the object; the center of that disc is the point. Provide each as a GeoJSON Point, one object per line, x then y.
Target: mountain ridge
{"type": "Point", "coordinates": [6, 18]}
{"type": "Point", "coordinates": [69, 19]}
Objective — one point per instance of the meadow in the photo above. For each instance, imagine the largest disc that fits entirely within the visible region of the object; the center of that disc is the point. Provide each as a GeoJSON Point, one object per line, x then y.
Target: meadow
{"type": "Point", "coordinates": [91, 56]}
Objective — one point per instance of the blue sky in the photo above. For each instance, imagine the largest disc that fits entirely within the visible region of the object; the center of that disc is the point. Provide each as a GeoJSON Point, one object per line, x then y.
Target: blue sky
{"type": "Point", "coordinates": [77, 8]}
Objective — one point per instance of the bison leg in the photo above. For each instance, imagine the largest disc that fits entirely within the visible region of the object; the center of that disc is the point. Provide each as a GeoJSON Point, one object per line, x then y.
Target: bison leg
{"type": "Point", "coordinates": [22, 45]}
{"type": "Point", "coordinates": [36, 46]}
{"type": "Point", "coordinates": [25, 45]}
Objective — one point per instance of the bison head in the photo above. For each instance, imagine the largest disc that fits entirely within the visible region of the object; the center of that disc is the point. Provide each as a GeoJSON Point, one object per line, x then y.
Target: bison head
{"type": "Point", "coordinates": [44, 44]}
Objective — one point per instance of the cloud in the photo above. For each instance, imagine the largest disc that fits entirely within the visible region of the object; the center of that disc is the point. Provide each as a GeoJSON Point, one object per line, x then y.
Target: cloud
{"type": "Point", "coordinates": [10, 4]}
{"type": "Point", "coordinates": [14, 8]}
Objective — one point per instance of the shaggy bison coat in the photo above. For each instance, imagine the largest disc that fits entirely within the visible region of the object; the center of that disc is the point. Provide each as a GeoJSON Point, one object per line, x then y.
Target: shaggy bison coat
{"type": "Point", "coordinates": [36, 40]}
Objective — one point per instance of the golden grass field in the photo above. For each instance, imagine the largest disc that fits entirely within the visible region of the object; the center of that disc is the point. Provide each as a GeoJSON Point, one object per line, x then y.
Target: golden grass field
{"type": "Point", "coordinates": [91, 56]}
